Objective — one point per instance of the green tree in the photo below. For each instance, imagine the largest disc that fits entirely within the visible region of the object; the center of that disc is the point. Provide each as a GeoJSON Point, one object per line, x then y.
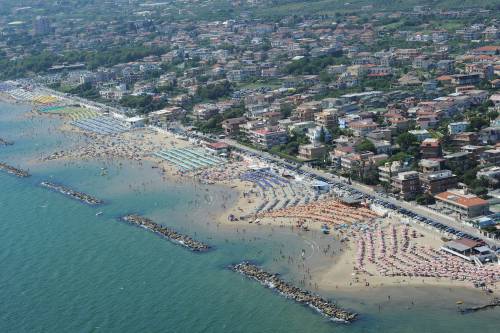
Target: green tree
{"type": "Point", "coordinates": [322, 135]}
{"type": "Point", "coordinates": [286, 111]}
{"type": "Point", "coordinates": [492, 115]}
{"type": "Point", "coordinates": [366, 145]}
{"type": "Point", "coordinates": [407, 141]}
{"type": "Point", "coordinates": [425, 199]}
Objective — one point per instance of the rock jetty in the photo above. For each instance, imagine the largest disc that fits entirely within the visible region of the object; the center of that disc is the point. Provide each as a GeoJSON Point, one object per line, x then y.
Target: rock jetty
{"type": "Point", "coordinates": [4, 142]}
{"type": "Point", "coordinates": [73, 194]}
{"type": "Point", "coordinates": [170, 234]}
{"type": "Point", "coordinates": [14, 171]}
{"type": "Point", "coordinates": [495, 302]}
{"type": "Point", "coordinates": [272, 281]}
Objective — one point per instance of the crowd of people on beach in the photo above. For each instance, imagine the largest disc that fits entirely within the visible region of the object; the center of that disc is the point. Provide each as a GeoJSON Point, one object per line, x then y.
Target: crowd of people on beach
{"type": "Point", "coordinates": [396, 253]}
{"type": "Point", "coordinates": [221, 174]}
{"type": "Point", "coordinates": [135, 146]}
{"type": "Point", "coordinates": [329, 211]}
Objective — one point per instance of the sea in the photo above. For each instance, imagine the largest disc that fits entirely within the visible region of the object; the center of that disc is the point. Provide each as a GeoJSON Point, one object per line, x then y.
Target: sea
{"type": "Point", "coordinates": [65, 267]}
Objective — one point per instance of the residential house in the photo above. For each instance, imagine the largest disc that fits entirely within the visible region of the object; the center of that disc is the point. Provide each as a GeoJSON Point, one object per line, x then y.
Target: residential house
{"type": "Point", "coordinates": [319, 134]}
{"type": "Point", "coordinates": [327, 118]}
{"type": "Point", "coordinates": [490, 157]}
{"type": "Point", "coordinates": [312, 151]}
{"type": "Point", "coordinates": [465, 79]}
{"type": "Point", "coordinates": [406, 184]}
{"type": "Point", "coordinates": [355, 161]}
{"type": "Point", "coordinates": [438, 181]}
{"type": "Point", "coordinates": [362, 127]}
{"type": "Point", "coordinates": [231, 126]}
{"type": "Point", "coordinates": [205, 111]}
{"type": "Point", "coordinates": [166, 115]}
{"type": "Point", "coordinates": [492, 174]}
{"type": "Point", "coordinates": [391, 169]}
{"type": "Point", "coordinates": [431, 165]}
{"type": "Point", "coordinates": [458, 127]}
{"type": "Point", "coordinates": [445, 66]}
{"type": "Point", "coordinates": [459, 161]}
{"type": "Point", "coordinates": [464, 139]}
{"type": "Point", "coordinates": [430, 148]}
{"type": "Point", "coordinates": [268, 137]}
{"type": "Point", "coordinates": [490, 135]}
{"type": "Point", "coordinates": [382, 146]}
{"type": "Point", "coordinates": [307, 111]}
{"type": "Point", "coordinates": [421, 135]}
{"type": "Point", "coordinates": [380, 134]}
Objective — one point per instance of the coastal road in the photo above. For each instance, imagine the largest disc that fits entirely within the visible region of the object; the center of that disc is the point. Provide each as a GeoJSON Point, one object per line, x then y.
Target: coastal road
{"type": "Point", "coordinates": [413, 207]}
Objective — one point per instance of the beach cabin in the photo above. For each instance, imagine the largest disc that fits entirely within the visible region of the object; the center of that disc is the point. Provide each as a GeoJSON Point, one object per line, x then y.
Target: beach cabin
{"type": "Point", "coordinates": [349, 200]}
{"type": "Point", "coordinates": [321, 187]}
{"type": "Point", "coordinates": [485, 255]}
{"type": "Point", "coordinates": [135, 122]}
{"type": "Point", "coordinates": [460, 249]}
{"type": "Point", "coordinates": [217, 148]}
{"type": "Point", "coordinates": [470, 250]}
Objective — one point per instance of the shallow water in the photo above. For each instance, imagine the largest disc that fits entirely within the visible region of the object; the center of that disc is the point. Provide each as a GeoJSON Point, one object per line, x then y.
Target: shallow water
{"type": "Point", "coordinates": [64, 269]}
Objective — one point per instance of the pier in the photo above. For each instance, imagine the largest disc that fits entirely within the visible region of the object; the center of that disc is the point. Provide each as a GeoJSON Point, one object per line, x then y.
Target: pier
{"type": "Point", "coordinates": [323, 306]}
{"type": "Point", "coordinates": [168, 233]}
{"type": "Point", "coordinates": [73, 194]}
{"type": "Point", "coordinates": [14, 171]}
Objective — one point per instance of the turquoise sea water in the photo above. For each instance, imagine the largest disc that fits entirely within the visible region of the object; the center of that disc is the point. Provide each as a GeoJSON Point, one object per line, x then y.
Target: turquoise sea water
{"type": "Point", "coordinates": [64, 269]}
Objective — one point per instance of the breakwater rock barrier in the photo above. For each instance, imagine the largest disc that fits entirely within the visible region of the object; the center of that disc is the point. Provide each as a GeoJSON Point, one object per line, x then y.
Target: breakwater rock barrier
{"type": "Point", "coordinates": [14, 171]}
{"type": "Point", "coordinates": [323, 306]}
{"type": "Point", "coordinates": [4, 142]}
{"type": "Point", "coordinates": [494, 303]}
{"type": "Point", "coordinates": [73, 194]}
{"type": "Point", "coordinates": [168, 233]}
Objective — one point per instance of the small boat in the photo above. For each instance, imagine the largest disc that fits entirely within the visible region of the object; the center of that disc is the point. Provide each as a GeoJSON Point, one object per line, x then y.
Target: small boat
{"type": "Point", "coordinates": [325, 229]}
{"type": "Point", "coordinates": [460, 302]}
{"type": "Point", "coordinates": [98, 214]}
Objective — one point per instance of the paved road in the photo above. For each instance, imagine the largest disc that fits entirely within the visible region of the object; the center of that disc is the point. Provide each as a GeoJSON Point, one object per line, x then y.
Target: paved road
{"type": "Point", "coordinates": [420, 210]}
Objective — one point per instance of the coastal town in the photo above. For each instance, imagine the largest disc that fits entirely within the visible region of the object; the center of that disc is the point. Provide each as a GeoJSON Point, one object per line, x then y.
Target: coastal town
{"type": "Point", "coordinates": [379, 128]}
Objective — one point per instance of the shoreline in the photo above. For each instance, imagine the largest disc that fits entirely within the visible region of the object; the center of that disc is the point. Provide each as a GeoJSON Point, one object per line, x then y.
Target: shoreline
{"type": "Point", "coordinates": [339, 270]}
{"type": "Point", "coordinates": [7, 99]}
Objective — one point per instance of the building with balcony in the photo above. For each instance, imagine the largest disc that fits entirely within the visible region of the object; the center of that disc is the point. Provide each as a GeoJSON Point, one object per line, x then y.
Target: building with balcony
{"type": "Point", "coordinates": [268, 137]}
{"type": "Point", "coordinates": [407, 184]}
{"type": "Point", "coordinates": [438, 181]}
{"type": "Point", "coordinates": [464, 204]}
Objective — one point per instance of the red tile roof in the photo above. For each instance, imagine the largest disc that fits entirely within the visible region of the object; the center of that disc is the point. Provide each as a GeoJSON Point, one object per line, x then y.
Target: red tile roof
{"type": "Point", "coordinates": [488, 48]}
{"type": "Point", "coordinates": [218, 145]}
{"type": "Point", "coordinates": [461, 200]}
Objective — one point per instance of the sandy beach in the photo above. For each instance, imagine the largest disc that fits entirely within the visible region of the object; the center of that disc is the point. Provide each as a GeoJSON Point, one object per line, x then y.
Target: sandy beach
{"type": "Point", "coordinates": [279, 206]}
